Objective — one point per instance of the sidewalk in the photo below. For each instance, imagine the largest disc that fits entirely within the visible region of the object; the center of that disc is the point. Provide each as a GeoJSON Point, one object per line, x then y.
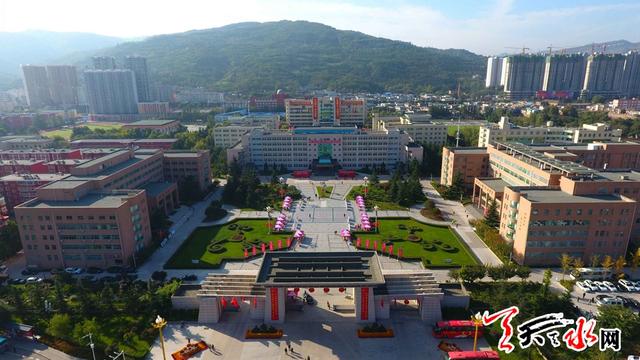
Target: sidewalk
{"type": "Point", "coordinates": [455, 211]}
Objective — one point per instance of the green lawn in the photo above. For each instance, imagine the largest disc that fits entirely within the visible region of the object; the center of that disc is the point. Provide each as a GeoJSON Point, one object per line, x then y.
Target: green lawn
{"type": "Point", "coordinates": [66, 133]}
{"type": "Point", "coordinates": [324, 192]}
{"type": "Point", "coordinates": [428, 246]}
{"type": "Point", "coordinates": [195, 247]}
{"type": "Point", "coordinates": [383, 205]}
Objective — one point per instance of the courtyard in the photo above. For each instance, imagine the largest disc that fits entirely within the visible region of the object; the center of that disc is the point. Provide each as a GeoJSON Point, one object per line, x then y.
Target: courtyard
{"type": "Point", "coordinates": [209, 246]}
{"type": "Point", "coordinates": [435, 246]}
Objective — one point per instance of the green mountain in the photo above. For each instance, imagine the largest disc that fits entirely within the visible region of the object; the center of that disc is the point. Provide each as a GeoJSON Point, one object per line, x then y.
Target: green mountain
{"type": "Point", "coordinates": [297, 55]}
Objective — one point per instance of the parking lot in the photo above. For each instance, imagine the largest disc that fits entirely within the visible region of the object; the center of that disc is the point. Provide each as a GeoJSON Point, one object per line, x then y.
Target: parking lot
{"type": "Point", "coordinates": [588, 302]}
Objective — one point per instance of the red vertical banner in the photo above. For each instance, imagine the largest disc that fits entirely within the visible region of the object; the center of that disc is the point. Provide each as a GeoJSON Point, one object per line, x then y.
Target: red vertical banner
{"type": "Point", "coordinates": [275, 312]}
{"type": "Point", "coordinates": [364, 303]}
{"type": "Point", "coordinates": [314, 108]}
{"type": "Point", "coordinates": [336, 103]}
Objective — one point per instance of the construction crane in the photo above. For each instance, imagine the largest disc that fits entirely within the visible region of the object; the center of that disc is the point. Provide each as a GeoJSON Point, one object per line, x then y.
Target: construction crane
{"type": "Point", "coordinates": [523, 48]}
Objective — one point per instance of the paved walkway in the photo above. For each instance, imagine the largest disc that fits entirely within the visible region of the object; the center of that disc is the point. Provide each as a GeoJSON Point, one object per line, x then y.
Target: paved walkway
{"type": "Point", "coordinates": [455, 211]}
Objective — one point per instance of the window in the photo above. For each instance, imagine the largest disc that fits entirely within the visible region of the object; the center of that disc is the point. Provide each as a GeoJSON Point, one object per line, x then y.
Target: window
{"type": "Point", "coordinates": [58, 217]}
{"type": "Point", "coordinates": [69, 217]}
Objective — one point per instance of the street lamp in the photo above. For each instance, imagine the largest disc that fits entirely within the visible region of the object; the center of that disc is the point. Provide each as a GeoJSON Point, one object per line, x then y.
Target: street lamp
{"type": "Point", "coordinates": [269, 209]}
{"type": "Point", "coordinates": [376, 208]}
{"type": "Point", "coordinates": [91, 344]}
{"type": "Point", "coordinates": [366, 185]}
{"type": "Point", "coordinates": [159, 324]}
{"type": "Point", "coordinates": [477, 321]}
{"type": "Point", "coordinates": [281, 180]}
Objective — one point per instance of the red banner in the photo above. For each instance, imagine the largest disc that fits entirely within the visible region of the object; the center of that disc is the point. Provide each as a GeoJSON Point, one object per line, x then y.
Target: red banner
{"type": "Point", "coordinates": [364, 303]}
{"type": "Point", "coordinates": [275, 315]}
{"type": "Point", "coordinates": [314, 109]}
{"type": "Point", "coordinates": [336, 103]}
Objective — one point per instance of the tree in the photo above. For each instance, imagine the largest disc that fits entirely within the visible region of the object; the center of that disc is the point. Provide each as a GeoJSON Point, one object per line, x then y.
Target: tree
{"type": "Point", "coordinates": [607, 263]}
{"type": "Point", "coordinates": [189, 190]}
{"type": "Point", "coordinates": [83, 328]}
{"type": "Point", "coordinates": [597, 99]}
{"type": "Point", "coordinates": [618, 266]}
{"type": "Point", "coordinates": [496, 273]}
{"type": "Point", "coordinates": [565, 263]}
{"type": "Point", "coordinates": [454, 274]}
{"type": "Point", "coordinates": [523, 272]}
{"type": "Point", "coordinates": [60, 326]}
{"type": "Point", "coordinates": [595, 260]}
{"type": "Point", "coordinates": [9, 240]}
{"type": "Point", "coordinates": [455, 191]}
{"type": "Point", "coordinates": [635, 260]}
{"type": "Point", "coordinates": [492, 218]}
{"type": "Point", "coordinates": [624, 319]}
{"type": "Point", "coordinates": [471, 273]}
{"type": "Point", "coordinates": [578, 263]}
{"type": "Point", "coordinates": [373, 179]}
{"type": "Point", "coordinates": [546, 282]}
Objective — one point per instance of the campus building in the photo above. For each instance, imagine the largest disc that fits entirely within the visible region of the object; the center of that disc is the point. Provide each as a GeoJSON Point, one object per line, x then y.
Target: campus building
{"type": "Point", "coordinates": [124, 143]}
{"type": "Point", "coordinates": [421, 131]}
{"type": "Point", "coordinates": [328, 147]}
{"type": "Point", "coordinates": [553, 199]}
{"type": "Point", "coordinates": [505, 131]}
{"type": "Point", "coordinates": [27, 142]}
{"type": "Point", "coordinates": [326, 112]}
{"type": "Point", "coordinates": [98, 215]}
{"type": "Point", "coordinates": [162, 126]}
{"type": "Point", "coordinates": [18, 188]}
{"type": "Point", "coordinates": [228, 136]}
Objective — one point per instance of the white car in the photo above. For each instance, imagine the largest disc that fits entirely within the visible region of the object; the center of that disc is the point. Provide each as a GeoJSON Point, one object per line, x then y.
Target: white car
{"type": "Point", "coordinates": [609, 301]}
{"type": "Point", "coordinates": [583, 286]}
{"type": "Point", "coordinates": [609, 285]}
{"type": "Point", "coordinates": [600, 286]}
{"type": "Point", "coordinates": [627, 285]}
{"type": "Point", "coordinates": [73, 270]}
{"type": "Point", "coordinates": [33, 280]}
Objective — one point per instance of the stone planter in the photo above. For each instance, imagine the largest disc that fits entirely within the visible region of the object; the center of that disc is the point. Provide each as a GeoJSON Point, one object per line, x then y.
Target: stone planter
{"type": "Point", "coordinates": [377, 334]}
{"type": "Point", "coordinates": [263, 335]}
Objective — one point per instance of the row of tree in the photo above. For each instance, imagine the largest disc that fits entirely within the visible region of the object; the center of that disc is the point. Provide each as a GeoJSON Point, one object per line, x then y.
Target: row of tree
{"type": "Point", "coordinates": [471, 273]}
{"type": "Point", "coordinates": [615, 266]}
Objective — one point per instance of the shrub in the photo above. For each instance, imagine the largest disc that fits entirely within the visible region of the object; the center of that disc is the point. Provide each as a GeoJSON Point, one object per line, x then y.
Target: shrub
{"type": "Point", "coordinates": [237, 237]}
{"type": "Point", "coordinates": [375, 327]}
{"type": "Point", "coordinates": [413, 238]}
{"type": "Point", "coordinates": [448, 248]}
{"type": "Point", "coordinates": [402, 227]}
{"type": "Point", "coordinates": [159, 275]}
{"type": "Point", "coordinates": [246, 228]}
{"type": "Point", "coordinates": [232, 226]}
{"type": "Point", "coordinates": [216, 248]}
{"type": "Point", "coordinates": [429, 247]}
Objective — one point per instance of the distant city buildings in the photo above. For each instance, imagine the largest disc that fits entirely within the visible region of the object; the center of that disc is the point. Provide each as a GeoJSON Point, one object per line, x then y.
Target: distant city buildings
{"type": "Point", "coordinates": [138, 65]}
{"type": "Point", "coordinates": [104, 62]}
{"type": "Point", "coordinates": [566, 76]}
{"type": "Point", "coordinates": [199, 96]}
{"type": "Point", "coordinates": [50, 86]}
{"type": "Point", "coordinates": [111, 92]}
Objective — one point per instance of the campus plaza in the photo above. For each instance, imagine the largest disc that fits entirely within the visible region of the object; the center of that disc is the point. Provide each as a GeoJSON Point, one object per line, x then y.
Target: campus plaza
{"type": "Point", "coordinates": [350, 290]}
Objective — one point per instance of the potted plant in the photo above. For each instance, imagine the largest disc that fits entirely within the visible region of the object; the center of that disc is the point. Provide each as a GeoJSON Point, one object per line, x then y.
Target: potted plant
{"type": "Point", "coordinates": [263, 331]}
{"type": "Point", "coordinates": [375, 330]}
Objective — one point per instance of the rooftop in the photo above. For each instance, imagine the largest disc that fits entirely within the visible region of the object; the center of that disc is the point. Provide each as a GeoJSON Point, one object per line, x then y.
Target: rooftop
{"type": "Point", "coordinates": [33, 177]}
{"type": "Point", "coordinates": [529, 155]}
{"type": "Point", "coordinates": [556, 196]}
{"type": "Point", "coordinates": [494, 184]}
{"type": "Point", "coordinates": [112, 199]}
{"type": "Point", "coordinates": [155, 188]}
{"type": "Point", "coordinates": [182, 154]}
{"type": "Point", "coordinates": [468, 150]}
{"type": "Point", "coordinates": [320, 269]}
{"type": "Point", "coordinates": [65, 184]}
{"type": "Point", "coordinates": [150, 123]}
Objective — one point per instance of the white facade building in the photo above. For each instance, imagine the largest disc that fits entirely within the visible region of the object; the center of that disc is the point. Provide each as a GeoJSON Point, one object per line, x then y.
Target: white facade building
{"type": "Point", "coordinates": [306, 148]}
{"type": "Point", "coordinates": [423, 132]}
{"type": "Point", "coordinates": [505, 131]}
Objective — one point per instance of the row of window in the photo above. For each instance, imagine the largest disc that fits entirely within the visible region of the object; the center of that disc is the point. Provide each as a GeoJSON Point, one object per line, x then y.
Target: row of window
{"type": "Point", "coordinates": [569, 212]}
{"type": "Point", "coordinates": [555, 244]}
{"type": "Point", "coordinates": [90, 237]}
{"type": "Point", "coordinates": [91, 246]}
{"type": "Point", "coordinates": [536, 223]}
{"type": "Point", "coordinates": [91, 226]}
{"type": "Point", "coordinates": [559, 233]}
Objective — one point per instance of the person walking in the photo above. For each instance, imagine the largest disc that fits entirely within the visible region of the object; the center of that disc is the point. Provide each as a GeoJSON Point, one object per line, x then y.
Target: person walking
{"type": "Point", "coordinates": [285, 351]}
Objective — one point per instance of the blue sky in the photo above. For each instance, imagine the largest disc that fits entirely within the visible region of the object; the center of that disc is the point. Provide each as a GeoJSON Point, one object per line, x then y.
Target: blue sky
{"type": "Point", "coordinates": [485, 27]}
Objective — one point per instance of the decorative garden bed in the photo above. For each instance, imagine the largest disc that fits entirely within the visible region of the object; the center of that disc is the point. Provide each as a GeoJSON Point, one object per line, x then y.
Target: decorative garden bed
{"type": "Point", "coordinates": [375, 330]}
{"type": "Point", "coordinates": [263, 332]}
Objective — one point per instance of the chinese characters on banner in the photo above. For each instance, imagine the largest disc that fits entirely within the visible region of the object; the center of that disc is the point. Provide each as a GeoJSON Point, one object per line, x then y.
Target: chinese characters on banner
{"type": "Point", "coordinates": [275, 311]}
{"type": "Point", "coordinates": [578, 337]}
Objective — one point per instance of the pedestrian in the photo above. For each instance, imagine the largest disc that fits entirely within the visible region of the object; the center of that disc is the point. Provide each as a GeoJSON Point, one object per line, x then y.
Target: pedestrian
{"type": "Point", "coordinates": [583, 295]}
{"type": "Point", "coordinates": [285, 351]}
{"type": "Point", "coordinates": [328, 306]}
{"type": "Point", "coordinates": [188, 341]}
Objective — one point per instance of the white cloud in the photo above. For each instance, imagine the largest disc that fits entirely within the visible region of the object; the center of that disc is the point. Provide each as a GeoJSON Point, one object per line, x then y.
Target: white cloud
{"type": "Point", "coordinates": [489, 31]}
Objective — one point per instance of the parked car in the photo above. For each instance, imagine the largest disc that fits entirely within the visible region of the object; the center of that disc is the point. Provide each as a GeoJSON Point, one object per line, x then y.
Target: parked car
{"type": "Point", "coordinates": [3, 268]}
{"type": "Point", "coordinates": [627, 285]}
{"type": "Point", "coordinates": [629, 302]}
{"type": "Point", "coordinates": [584, 287]}
{"type": "Point", "coordinates": [17, 281]}
{"type": "Point", "coordinates": [74, 270]}
{"type": "Point", "coordinates": [94, 270]}
{"type": "Point", "coordinates": [33, 279]}
{"type": "Point", "coordinates": [609, 301]}
{"type": "Point", "coordinates": [600, 286]}
{"type": "Point", "coordinates": [609, 285]}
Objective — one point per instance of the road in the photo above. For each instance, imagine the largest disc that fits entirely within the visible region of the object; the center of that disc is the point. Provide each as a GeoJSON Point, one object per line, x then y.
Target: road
{"type": "Point", "coordinates": [456, 212]}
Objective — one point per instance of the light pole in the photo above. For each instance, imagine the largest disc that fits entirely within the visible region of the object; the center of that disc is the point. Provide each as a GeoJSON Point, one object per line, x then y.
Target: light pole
{"type": "Point", "coordinates": [376, 208]}
{"type": "Point", "coordinates": [117, 355]}
{"type": "Point", "coordinates": [477, 321]}
{"type": "Point", "coordinates": [269, 209]}
{"type": "Point", "coordinates": [366, 185]}
{"type": "Point", "coordinates": [159, 324]}
{"type": "Point", "coordinates": [91, 344]}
